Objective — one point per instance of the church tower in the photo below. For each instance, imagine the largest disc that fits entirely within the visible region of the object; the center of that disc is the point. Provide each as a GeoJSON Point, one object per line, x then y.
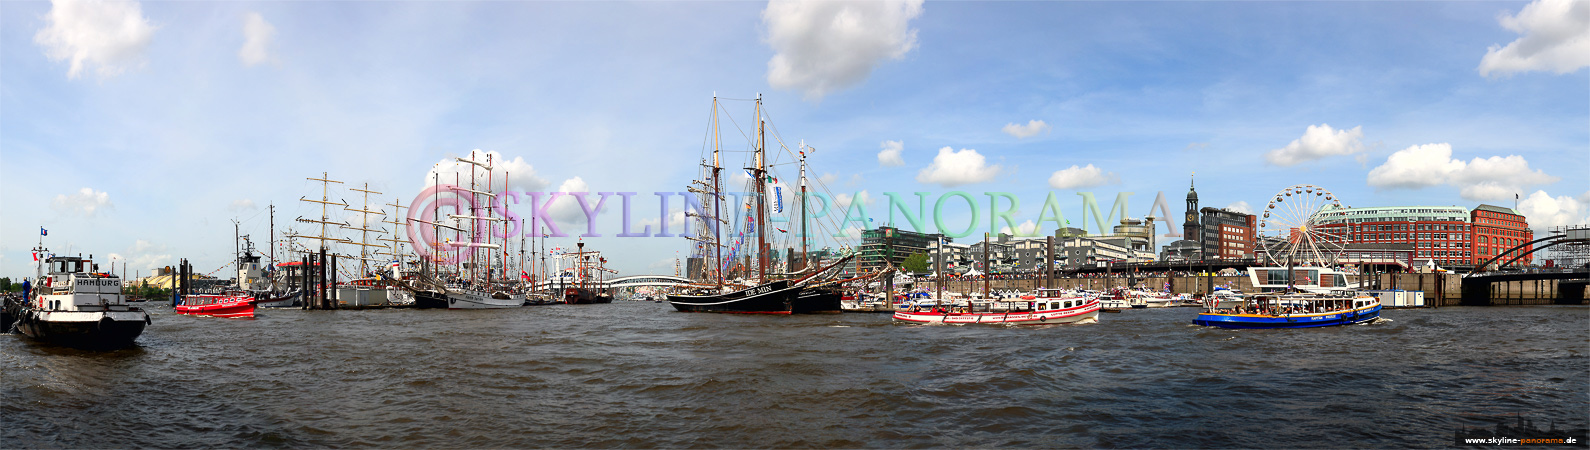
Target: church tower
{"type": "Point", "coordinates": [1190, 230]}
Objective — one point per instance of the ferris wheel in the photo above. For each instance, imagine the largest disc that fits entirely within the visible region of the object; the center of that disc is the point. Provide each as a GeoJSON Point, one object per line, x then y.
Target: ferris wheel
{"type": "Point", "coordinates": [1290, 232]}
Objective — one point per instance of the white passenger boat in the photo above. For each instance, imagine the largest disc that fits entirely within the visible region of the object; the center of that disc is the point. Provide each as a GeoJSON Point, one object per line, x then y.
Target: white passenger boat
{"type": "Point", "coordinates": [1048, 307]}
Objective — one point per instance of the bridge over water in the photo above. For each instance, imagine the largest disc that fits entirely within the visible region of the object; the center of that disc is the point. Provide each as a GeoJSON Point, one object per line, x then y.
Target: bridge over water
{"type": "Point", "coordinates": [1561, 285]}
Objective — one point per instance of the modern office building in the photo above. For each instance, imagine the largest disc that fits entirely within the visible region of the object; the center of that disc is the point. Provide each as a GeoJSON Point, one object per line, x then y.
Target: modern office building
{"type": "Point", "coordinates": [1226, 234]}
{"type": "Point", "coordinates": [883, 246]}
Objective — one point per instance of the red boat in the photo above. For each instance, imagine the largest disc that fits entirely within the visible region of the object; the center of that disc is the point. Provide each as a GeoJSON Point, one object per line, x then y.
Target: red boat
{"type": "Point", "coordinates": [217, 305]}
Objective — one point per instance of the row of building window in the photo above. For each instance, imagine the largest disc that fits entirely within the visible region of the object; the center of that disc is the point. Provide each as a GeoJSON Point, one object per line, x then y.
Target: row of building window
{"type": "Point", "coordinates": [1417, 227]}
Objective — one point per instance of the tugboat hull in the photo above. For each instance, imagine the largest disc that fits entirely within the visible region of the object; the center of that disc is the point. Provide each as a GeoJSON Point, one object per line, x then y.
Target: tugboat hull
{"type": "Point", "coordinates": [94, 330]}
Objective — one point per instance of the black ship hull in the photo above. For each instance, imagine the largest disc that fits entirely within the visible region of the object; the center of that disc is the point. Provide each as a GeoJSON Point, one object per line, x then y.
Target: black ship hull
{"type": "Point", "coordinates": [816, 301]}
{"type": "Point", "coordinates": [771, 298]}
{"type": "Point", "coordinates": [104, 334]}
{"type": "Point", "coordinates": [430, 300]}
{"type": "Point", "coordinates": [584, 296]}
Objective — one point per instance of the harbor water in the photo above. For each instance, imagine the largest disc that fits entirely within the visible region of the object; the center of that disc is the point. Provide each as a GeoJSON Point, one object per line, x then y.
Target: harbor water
{"type": "Point", "coordinates": [638, 374]}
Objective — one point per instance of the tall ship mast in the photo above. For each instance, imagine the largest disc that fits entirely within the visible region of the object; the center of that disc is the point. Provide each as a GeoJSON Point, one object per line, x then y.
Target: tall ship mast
{"type": "Point", "coordinates": [325, 216]}
{"type": "Point", "coordinates": [475, 289]}
{"type": "Point", "coordinates": [428, 286]}
{"type": "Point", "coordinates": [396, 293]}
{"type": "Point", "coordinates": [759, 292]}
{"type": "Point", "coordinates": [364, 230]}
{"type": "Point", "coordinates": [589, 276]}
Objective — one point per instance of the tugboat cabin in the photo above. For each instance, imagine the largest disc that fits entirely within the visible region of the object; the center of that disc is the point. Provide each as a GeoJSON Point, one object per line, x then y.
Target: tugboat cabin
{"type": "Point", "coordinates": [72, 283]}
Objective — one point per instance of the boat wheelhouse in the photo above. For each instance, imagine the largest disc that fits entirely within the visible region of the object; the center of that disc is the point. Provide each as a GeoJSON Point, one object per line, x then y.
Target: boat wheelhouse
{"type": "Point", "coordinates": [1301, 278]}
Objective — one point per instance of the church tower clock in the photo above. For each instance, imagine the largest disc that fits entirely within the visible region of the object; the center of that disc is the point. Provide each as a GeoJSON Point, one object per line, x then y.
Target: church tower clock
{"type": "Point", "coordinates": [1191, 229]}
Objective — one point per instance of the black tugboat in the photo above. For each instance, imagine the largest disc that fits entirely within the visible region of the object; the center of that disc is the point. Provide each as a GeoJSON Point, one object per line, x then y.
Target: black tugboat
{"type": "Point", "coordinates": [77, 306]}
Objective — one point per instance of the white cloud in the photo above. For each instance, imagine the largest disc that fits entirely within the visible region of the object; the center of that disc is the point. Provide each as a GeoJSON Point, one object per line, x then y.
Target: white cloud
{"type": "Point", "coordinates": [1241, 207]}
{"type": "Point", "coordinates": [1428, 165]}
{"type": "Point", "coordinates": [823, 46]}
{"type": "Point", "coordinates": [1032, 128]}
{"type": "Point", "coordinates": [109, 34]}
{"type": "Point", "coordinates": [242, 205]}
{"type": "Point", "coordinates": [828, 178]}
{"type": "Point", "coordinates": [1318, 142]}
{"type": "Point", "coordinates": [1025, 229]}
{"type": "Point", "coordinates": [1554, 35]}
{"type": "Point", "coordinates": [676, 223]}
{"type": "Point", "coordinates": [851, 232]}
{"type": "Point", "coordinates": [505, 174]}
{"type": "Point", "coordinates": [890, 155]}
{"type": "Point", "coordinates": [954, 168]}
{"type": "Point", "coordinates": [566, 211]}
{"type": "Point", "coordinates": [1544, 211]}
{"type": "Point", "coordinates": [257, 36]}
{"type": "Point", "coordinates": [145, 256]}
{"type": "Point", "coordinates": [1081, 177]}
{"type": "Point", "coordinates": [842, 200]}
{"type": "Point", "coordinates": [86, 201]}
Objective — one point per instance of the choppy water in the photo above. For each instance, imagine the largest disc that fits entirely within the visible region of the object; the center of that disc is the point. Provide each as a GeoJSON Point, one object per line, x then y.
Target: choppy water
{"type": "Point", "coordinates": [640, 375]}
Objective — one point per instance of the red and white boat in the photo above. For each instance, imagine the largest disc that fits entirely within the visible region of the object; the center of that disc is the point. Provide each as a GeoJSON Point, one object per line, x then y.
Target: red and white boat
{"type": "Point", "coordinates": [1048, 307]}
{"type": "Point", "coordinates": [231, 306]}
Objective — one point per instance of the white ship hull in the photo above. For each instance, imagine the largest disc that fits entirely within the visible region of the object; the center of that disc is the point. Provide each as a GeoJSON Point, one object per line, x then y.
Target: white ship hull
{"type": "Point", "coordinates": [472, 299]}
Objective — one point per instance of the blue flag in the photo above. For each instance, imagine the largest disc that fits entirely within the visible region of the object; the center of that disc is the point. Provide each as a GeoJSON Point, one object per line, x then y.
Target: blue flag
{"type": "Point", "coordinates": [43, 232]}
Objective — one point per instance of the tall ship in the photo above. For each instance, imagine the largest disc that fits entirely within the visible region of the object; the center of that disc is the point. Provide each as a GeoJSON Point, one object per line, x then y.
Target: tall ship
{"type": "Point", "coordinates": [589, 272]}
{"type": "Point", "coordinates": [747, 280]}
{"type": "Point", "coordinates": [75, 304]}
{"type": "Point", "coordinates": [473, 282]}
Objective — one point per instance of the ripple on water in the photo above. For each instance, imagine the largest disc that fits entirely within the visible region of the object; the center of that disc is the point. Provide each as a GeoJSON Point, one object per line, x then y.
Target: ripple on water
{"type": "Point", "coordinates": [640, 375]}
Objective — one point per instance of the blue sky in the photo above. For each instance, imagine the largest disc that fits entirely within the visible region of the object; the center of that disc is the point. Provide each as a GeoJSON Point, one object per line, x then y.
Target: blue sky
{"type": "Point", "coordinates": [196, 114]}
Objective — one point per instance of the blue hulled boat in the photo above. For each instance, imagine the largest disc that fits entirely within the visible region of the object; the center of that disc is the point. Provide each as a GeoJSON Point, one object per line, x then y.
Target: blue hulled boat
{"type": "Point", "coordinates": [1293, 311]}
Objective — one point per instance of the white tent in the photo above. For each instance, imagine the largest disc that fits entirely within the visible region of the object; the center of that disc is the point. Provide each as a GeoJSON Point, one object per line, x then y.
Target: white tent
{"type": "Point", "coordinates": [972, 273]}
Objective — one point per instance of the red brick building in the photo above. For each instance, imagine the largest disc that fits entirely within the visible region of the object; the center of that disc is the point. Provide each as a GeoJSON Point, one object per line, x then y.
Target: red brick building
{"type": "Point", "coordinates": [1227, 234]}
{"type": "Point", "coordinates": [1497, 229]}
{"type": "Point", "coordinates": [1445, 235]}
